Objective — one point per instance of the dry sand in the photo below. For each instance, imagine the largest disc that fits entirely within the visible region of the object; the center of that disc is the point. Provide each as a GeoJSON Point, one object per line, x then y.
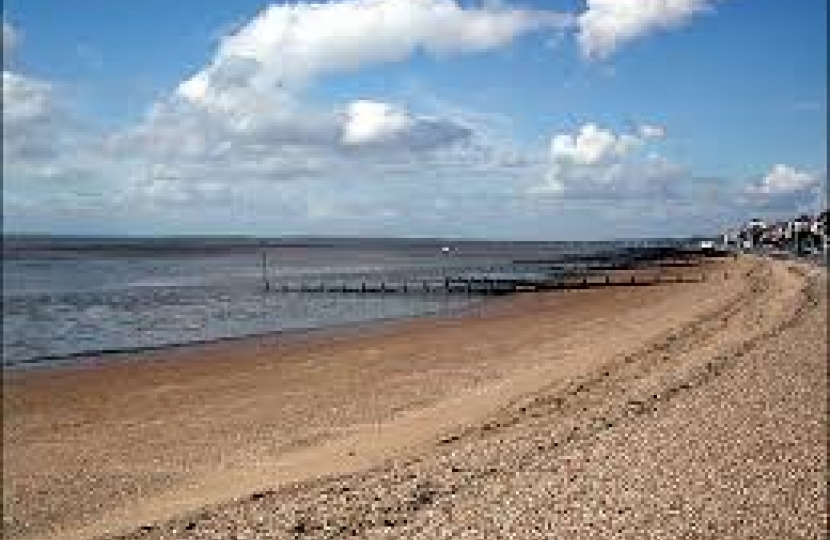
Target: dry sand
{"type": "Point", "coordinates": [692, 410]}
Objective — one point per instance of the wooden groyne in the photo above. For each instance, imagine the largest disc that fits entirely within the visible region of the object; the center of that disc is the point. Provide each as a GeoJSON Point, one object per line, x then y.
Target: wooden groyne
{"type": "Point", "coordinates": [520, 276]}
{"type": "Point", "coordinates": [483, 286]}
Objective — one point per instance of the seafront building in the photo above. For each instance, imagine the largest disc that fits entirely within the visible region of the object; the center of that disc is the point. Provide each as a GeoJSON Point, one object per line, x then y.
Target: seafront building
{"type": "Point", "coordinates": [805, 234]}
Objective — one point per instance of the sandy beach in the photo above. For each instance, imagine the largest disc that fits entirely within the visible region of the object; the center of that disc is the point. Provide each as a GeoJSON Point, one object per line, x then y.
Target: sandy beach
{"type": "Point", "coordinates": [684, 410]}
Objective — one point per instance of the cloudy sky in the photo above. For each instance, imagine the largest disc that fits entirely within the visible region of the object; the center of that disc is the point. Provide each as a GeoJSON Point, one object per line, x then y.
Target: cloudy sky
{"type": "Point", "coordinates": [563, 119]}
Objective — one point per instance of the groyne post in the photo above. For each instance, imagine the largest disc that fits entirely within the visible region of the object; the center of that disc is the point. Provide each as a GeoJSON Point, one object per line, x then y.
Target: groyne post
{"type": "Point", "coordinates": [265, 284]}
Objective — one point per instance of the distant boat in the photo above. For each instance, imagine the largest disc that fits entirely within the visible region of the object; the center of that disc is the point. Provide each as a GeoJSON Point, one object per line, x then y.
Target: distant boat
{"type": "Point", "coordinates": [445, 249]}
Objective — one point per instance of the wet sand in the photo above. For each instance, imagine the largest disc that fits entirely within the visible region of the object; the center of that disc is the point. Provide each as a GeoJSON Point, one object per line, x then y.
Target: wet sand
{"type": "Point", "coordinates": [417, 429]}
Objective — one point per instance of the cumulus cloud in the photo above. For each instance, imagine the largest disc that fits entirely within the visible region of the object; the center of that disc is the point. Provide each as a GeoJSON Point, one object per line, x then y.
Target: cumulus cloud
{"type": "Point", "coordinates": [249, 100]}
{"type": "Point", "coordinates": [651, 131]}
{"type": "Point", "coordinates": [43, 141]}
{"type": "Point", "coordinates": [599, 165]}
{"type": "Point", "coordinates": [24, 98]}
{"type": "Point", "coordinates": [595, 161]}
{"type": "Point", "coordinates": [32, 123]}
{"type": "Point", "coordinates": [9, 39]}
{"type": "Point", "coordinates": [608, 24]}
{"type": "Point", "coordinates": [245, 144]}
{"type": "Point", "coordinates": [783, 179]}
{"type": "Point", "coordinates": [181, 130]}
{"type": "Point", "coordinates": [592, 145]}
{"type": "Point", "coordinates": [785, 188]}
{"type": "Point", "coordinates": [377, 123]}
{"type": "Point", "coordinates": [288, 45]}
{"type": "Point", "coordinates": [242, 120]}
{"type": "Point", "coordinates": [239, 141]}
{"type": "Point", "coordinates": [36, 126]}
{"type": "Point", "coordinates": [370, 122]}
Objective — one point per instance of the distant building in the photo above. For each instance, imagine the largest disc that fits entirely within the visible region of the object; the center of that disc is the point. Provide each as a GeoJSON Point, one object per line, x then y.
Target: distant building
{"type": "Point", "coordinates": [819, 225]}
{"type": "Point", "coordinates": [730, 238]}
{"type": "Point", "coordinates": [804, 234]}
{"type": "Point", "coordinates": [753, 233]}
{"type": "Point", "coordinates": [776, 234]}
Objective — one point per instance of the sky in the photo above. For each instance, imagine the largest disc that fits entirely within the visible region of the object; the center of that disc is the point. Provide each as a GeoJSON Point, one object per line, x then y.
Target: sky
{"type": "Point", "coordinates": [555, 120]}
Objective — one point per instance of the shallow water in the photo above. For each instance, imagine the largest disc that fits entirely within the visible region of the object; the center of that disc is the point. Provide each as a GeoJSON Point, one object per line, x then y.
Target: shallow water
{"type": "Point", "coordinates": [66, 298]}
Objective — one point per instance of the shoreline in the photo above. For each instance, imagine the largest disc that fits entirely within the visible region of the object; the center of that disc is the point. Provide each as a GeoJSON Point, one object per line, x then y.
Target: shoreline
{"type": "Point", "coordinates": [367, 329]}
{"type": "Point", "coordinates": [97, 358]}
{"type": "Point", "coordinates": [367, 399]}
{"type": "Point", "coordinates": [92, 358]}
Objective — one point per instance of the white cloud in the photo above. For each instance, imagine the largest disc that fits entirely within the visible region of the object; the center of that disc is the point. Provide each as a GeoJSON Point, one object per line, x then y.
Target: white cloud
{"type": "Point", "coordinates": [31, 124]}
{"type": "Point", "coordinates": [249, 100]}
{"type": "Point", "coordinates": [783, 179]}
{"type": "Point", "coordinates": [651, 131]}
{"type": "Point", "coordinates": [53, 168]}
{"type": "Point", "coordinates": [592, 145]}
{"type": "Point", "coordinates": [182, 130]}
{"type": "Point", "coordinates": [248, 145]}
{"type": "Point", "coordinates": [785, 190]}
{"type": "Point", "coordinates": [608, 24]}
{"type": "Point", "coordinates": [238, 145]}
{"type": "Point", "coordinates": [370, 121]}
{"type": "Point", "coordinates": [375, 123]}
{"type": "Point", "coordinates": [10, 39]}
{"type": "Point", "coordinates": [597, 161]}
{"type": "Point", "coordinates": [288, 45]}
{"type": "Point", "coordinates": [24, 98]}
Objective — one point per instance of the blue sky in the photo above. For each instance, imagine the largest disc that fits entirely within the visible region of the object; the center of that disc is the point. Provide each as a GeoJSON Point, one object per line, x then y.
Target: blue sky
{"type": "Point", "coordinates": [570, 119]}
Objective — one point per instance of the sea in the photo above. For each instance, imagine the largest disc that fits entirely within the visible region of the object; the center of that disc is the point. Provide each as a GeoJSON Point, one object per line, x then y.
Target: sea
{"type": "Point", "coordinates": [68, 299]}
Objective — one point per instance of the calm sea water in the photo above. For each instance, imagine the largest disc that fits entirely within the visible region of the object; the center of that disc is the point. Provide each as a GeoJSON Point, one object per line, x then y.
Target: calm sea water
{"type": "Point", "coordinates": [67, 298]}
